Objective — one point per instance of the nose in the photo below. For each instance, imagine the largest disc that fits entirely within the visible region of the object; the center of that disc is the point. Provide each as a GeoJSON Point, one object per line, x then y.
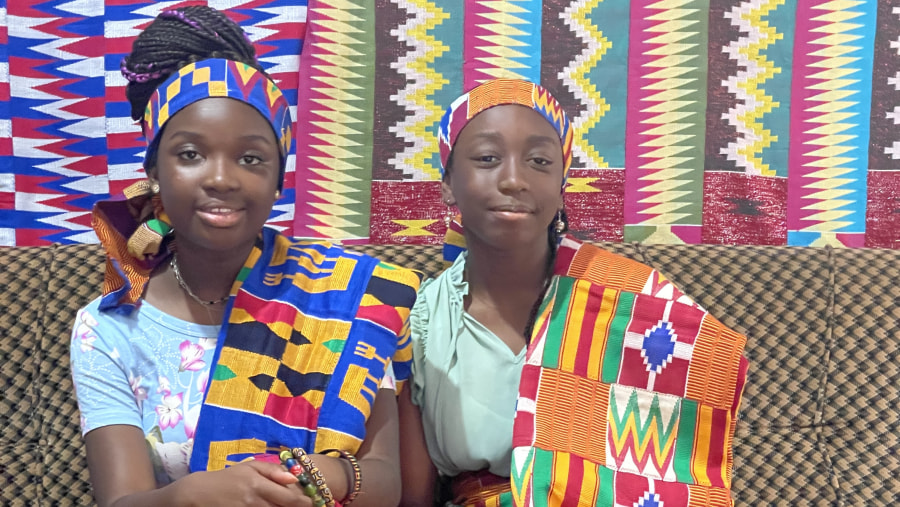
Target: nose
{"type": "Point", "coordinates": [220, 174]}
{"type": "Point", "coordinates": [512, 175]}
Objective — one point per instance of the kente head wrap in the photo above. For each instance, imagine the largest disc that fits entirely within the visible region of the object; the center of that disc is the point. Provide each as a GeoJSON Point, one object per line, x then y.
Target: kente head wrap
{"type": "Point", "coordinates": [501, 92]}
{"type": "Point", "coordinates": [217, 77]}
{"type": "Point", "coordinates": [132, 227]}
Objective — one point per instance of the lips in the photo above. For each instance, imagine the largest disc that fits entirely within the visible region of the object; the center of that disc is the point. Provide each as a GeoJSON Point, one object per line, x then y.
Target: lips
{"type": "Point", "coordinates": [219, 215]}
{"type": "Point", "coordinates": [511, 208]}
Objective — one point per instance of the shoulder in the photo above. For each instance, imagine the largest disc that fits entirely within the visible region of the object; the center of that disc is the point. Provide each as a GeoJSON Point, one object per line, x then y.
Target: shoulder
{"type": "Point", "coordinates": [448, 287]}
{"type": "Point", "coordinates": [440, 303]}
{"type": "Point", "coordinates": [92, 318]}
{"type": "Point", "coordinates": [586, 261]}
{"type": "Point", "coordinates": [590, 262]}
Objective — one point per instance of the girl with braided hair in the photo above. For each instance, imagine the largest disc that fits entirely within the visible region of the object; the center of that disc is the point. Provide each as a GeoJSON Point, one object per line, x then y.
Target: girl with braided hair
{"type": "Point", "coordinates": [546, 370]}
{"type": "Point", "coordinates": [224, 363]}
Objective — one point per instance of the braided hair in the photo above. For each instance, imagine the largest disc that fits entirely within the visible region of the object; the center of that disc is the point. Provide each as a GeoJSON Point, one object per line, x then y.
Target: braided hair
{"type": "Point", "coordinates": [553, 236]}
{"type": "Point", "coordinates": [177, 38]}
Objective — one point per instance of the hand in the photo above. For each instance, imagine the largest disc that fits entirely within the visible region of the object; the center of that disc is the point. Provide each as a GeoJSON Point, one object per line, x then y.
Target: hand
{"type": "Point", "coordinates": [248, 483]}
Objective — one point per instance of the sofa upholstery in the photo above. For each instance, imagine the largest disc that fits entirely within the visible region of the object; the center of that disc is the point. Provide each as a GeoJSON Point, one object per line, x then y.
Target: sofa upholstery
{"type": "Point", "coordinates": [819, 425]}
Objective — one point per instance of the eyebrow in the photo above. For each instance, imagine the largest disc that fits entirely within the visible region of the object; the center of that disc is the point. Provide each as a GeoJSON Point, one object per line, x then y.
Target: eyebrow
{"type": "Point", "coordinates": [539, 139]}
{"type": "Point", "coordinates": [197, 135]}
{"type": "Point", "coordinates": [532, 139]}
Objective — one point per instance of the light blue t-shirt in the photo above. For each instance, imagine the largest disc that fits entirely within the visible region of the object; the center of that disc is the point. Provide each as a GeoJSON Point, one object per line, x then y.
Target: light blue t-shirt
{"type": "Point", "coordinates": [148, 370]}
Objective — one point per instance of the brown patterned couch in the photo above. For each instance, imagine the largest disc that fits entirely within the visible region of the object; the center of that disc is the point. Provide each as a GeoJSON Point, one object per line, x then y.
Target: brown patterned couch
{"type": "Point", "coordinates": [820, 423]}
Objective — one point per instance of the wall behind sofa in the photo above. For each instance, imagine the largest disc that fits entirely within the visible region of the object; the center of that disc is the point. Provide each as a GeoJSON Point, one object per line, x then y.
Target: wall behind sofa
{"type": "Point", "coordinates": [698, 121]}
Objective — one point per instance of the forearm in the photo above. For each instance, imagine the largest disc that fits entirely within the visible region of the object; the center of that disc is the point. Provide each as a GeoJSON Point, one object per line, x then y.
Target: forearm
{"type": "Point", "coordinates": [380, 485]}
{"type": "Point", "coordinates": [167, 495]}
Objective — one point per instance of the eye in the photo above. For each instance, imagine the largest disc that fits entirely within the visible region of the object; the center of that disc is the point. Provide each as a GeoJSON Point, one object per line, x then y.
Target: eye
{"type": "Point", "coordinates": [251, 160]}
{"type": "Point", "coordinates": [485, 159]}
{"type": "Point", "coordinates": [189, 155]}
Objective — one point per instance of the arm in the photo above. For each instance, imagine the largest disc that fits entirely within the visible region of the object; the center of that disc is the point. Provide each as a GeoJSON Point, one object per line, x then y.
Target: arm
{"type": "Point", "coordinates": [120, 466]}
{"type": "Point", "coordinates": [418, 472]}
{"type": "Point", "coordinates": [378, 459]}
{"type": "Point", "coordinates": [122, 475]}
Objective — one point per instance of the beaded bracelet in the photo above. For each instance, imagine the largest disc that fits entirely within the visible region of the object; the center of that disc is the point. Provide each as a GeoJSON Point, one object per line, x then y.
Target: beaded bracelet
{"type": "Point", "coordinates": [357, 474]}
{"type": "Point", "coordinates": [309, 489]}
{"type": "Point", "coordinates": [313, 471]}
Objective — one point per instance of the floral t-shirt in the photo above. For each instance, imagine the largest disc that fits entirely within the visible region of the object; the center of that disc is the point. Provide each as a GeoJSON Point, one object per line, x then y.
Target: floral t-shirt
{"type": "Point", "coordinates": [148, 370]}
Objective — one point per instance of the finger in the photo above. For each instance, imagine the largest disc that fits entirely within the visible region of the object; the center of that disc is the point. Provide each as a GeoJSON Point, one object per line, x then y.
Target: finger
{"type": "Point", "coordinates": [276, 494]}
{"type": "Point", "coordinates": [273, 472]}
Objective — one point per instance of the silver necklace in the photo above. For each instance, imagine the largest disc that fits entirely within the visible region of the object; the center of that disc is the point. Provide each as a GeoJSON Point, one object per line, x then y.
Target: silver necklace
{"type": "Point", "coordinates": [184, 286]}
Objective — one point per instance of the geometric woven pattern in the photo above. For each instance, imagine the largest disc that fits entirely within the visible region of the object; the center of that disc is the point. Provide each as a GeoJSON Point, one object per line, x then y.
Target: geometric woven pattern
{"type": "Point", "coordinates": [66, 135]}
{"type": "Point", "coordinates": [831, 89]}
{"type": "Point", "coordinates": [754, 122]}
{"type": "Point", "coordinates": [819, 422]}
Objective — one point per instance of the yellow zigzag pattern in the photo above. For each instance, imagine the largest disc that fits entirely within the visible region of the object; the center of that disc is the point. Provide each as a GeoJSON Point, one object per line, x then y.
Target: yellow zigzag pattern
{"type": "Point", "coordinates": [502, 24]}
{"type": "Point", "coordinates": [575, 77]}
{"type": "Point", "coordinates": [666, 124]}
{"type": "Point", "coordinates": [831, 102]}
{"type": "Point", "coordinates": [335, 80]}
{"type": "Point", "coordinates": [753, 103]}
{"type": "Point", "coordinates": [422, 80]}
{"type": "Point", "coordinates": [645, 425]}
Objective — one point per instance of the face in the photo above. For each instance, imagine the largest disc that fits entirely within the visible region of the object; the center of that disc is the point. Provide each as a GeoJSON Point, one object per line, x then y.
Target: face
{"type": "Point", "coordinates": [218, 170]}
{"type": "Point", "coordinates": [505, 177]}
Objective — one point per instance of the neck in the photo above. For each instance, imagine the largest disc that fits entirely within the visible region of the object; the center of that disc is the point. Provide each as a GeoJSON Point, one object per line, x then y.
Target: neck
{"type": "Point", "coordinates": [521, 271]}
{"type": "Point", "coordinates": [209, 276]}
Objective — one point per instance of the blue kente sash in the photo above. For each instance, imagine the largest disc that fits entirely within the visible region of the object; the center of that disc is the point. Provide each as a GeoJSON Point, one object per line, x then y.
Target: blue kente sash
{"type": "Point", "coordinates": [306, 339]}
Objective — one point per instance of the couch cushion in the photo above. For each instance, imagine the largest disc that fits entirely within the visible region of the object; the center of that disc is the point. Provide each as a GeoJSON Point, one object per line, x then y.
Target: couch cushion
{"type": "Point", "coordinates": [18, 469]}
{"type": "Point", "coordinates": [23, 283]}
{"type": "Point", "coordinates": [65, 477]}
{"type": "Point", "coordinates": [860, 412]}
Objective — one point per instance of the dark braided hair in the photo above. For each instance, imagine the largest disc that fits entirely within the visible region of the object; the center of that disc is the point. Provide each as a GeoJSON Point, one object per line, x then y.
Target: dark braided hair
{"type": "Point", "coordinates": [553, 239]}
{"type": "Point", "coordinates": [176, 38]}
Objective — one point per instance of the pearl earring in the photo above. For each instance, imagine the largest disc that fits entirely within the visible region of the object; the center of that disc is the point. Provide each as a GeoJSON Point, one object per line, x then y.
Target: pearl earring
{"type": "Point", "coordinates": [448, 215]}
{"type": "Point", "coordinates": [559, 223]}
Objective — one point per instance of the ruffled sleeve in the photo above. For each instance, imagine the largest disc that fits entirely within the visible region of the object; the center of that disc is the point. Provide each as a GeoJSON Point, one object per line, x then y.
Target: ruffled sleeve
{"type": "Point", "coordinates": [439, 306]}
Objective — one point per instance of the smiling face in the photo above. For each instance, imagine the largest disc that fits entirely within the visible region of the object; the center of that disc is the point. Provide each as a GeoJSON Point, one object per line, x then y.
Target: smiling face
{"type": "Point", "coordinates": [505, 177]}
{"type": "Point", "coordinates": [218, 170]}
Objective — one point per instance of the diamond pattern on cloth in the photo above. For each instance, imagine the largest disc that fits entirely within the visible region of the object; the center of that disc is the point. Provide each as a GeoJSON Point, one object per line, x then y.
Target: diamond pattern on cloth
{"type": "Point", "coordinates": [658, 345]}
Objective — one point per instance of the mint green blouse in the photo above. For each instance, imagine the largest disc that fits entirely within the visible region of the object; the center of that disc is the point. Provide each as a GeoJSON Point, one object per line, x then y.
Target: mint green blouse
{"type": "Point", "coordinates": [465, 380]}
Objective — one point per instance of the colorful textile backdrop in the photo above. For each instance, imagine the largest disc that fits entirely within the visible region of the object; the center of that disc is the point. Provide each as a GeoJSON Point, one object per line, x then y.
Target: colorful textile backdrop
{"type": "Point", "coordinates": [713, 121]}
{"type": "Point", "coordinates": [66, 134]}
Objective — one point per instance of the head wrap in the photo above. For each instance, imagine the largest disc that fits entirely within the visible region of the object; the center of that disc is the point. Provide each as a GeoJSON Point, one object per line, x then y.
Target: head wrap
{"type": "Point", "coordinates": [217, 77]}
{"type": "Point", "coordinates": [132, 227]}
{"type": "Point", "coordinates": [501, 92]}
{"type": "Point", "coordinates": [498, 92]}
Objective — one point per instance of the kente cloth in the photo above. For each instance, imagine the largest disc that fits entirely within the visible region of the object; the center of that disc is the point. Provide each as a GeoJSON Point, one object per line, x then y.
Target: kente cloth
{"type": "Point", "coordinates": [629, 394]}
{"type": "Point", "coordinates": [481, 489]}
{"type": "Point", "coordinates": [501, 92]}
{"type": "Point", "coordinates": [217, 77]}
{"type": "Point", "coordinates": [308, 332]}
{"type": "Point", "coordinates": [120, 222]}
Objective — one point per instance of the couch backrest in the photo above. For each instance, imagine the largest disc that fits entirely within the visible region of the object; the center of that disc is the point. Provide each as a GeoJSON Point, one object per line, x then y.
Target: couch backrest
{"type": "Point", "coordinates": [820, 423]}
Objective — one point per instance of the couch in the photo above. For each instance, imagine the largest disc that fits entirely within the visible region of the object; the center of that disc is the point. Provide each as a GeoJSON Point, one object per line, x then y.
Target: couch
{"type": "Point", "coordinates": [819, 425]}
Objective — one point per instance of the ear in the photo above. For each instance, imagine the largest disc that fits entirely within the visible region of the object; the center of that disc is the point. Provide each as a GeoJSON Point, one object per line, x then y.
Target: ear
{"type": "Point", "coordinates": [447, 192]}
